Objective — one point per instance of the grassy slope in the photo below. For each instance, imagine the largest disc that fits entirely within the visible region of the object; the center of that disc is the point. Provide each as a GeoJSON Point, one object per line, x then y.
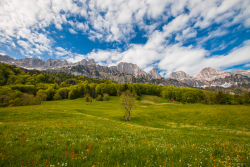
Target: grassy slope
{"type": "Point", "coordinates": [158, 134]}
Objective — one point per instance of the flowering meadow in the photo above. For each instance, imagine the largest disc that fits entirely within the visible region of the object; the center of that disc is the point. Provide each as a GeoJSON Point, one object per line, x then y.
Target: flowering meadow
{"type": "Point", "coordinates": [160, 133]}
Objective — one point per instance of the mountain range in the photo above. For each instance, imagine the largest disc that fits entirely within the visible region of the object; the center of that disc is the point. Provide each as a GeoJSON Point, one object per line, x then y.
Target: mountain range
{"type": "Point", "coordinates": [128, 72]}
{"type": "Point", "coordinates": [212, 77]}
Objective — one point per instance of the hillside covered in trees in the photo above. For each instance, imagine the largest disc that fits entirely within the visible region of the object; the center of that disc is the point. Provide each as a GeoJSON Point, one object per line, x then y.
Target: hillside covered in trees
{"type": "Point", "coordinates": [31, 87]}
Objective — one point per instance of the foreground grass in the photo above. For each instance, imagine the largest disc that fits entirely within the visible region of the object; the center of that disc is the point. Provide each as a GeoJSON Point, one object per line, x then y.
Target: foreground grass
{"type": "Point", "coordinates": [76, 133]}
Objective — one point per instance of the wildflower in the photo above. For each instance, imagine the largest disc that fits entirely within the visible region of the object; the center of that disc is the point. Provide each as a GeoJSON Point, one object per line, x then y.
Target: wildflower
{"type": "Point", "coordinates": [72, 154]}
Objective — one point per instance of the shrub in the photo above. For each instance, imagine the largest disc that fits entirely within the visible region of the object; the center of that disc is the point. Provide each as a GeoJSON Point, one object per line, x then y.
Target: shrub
{"type": "Point", "coordinates": [42, 95]}
{"type": "Point", "coordinates": [25, 100]}
{"type": "Point", "coordinates": [138, 97]}
{"type": "Point", "coordinates": [119, 92]}
{"type": "Point", "coordinates": [50, 93]}
{"type": "Point", "coordinates": [105, 96]}
{"type": "Point", "coordinates": [88, 98]}
{"type": "Point", "coordinates": [57, 96]}
{"type": "Point", "coordinates": [99, 98]}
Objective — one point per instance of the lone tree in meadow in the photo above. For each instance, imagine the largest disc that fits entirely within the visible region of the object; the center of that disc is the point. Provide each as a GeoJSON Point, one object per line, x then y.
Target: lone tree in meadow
{"type": "Point", "coordinates": [128, 103]}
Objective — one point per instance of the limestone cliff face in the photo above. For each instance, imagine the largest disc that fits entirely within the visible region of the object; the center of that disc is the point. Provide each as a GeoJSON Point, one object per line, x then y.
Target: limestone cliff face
{"type": "Point", "coordinates": [108, 70]}
{"type": "Point", "coordinates": [121, 68]}
{"type": "Point", "coordinates": [129, 68]}
{"type": "Point", "coordinates": [154, 74]}
{"type": "Point", "coordinates": [5, 58]}
{"type": "Point", "coordinates": [209, 74]}
{"type": "Point", "coordinates": [54, 63]}
{"type": "Point", "coordinates": [185, 78]}
{"type": "Point", "coordinates": [180, 75]}
{"type": "Point", "coordinates": [242, 72]}
{"type": "Point", "coordinates": [36, 63]}
{"type": "Point", "coordinates": [212, 77]}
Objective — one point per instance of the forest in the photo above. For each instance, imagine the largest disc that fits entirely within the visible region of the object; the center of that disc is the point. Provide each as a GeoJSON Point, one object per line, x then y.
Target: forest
{"type": "Point", "coordinates": [30, 87]}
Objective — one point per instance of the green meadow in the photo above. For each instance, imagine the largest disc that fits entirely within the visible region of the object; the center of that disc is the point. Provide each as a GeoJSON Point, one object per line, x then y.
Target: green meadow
{"type": "Point", "coordinates": [160, 133]}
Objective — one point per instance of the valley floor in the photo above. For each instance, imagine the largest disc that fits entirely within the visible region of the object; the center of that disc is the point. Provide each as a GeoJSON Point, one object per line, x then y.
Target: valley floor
{"type": "Point", "coordinates": [160, 133]}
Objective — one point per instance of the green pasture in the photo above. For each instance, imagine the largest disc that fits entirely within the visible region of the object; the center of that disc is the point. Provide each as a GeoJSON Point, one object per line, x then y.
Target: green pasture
{"type": "Point", "coordinates": [160, 133]}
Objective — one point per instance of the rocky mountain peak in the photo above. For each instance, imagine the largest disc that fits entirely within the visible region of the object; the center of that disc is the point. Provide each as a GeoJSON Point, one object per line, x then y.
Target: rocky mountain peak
{"type": "Point", "coordinates": [91, 62]}
{"type": "Point", "coordinates": [209, 73]}
{"type": "Point", "coordinates": [84, 62]}
{"type": "Point", "coordinates": [129, 68]}
{"type": "Point", "coordinates": [180, 75]}
{"type": "Point", "coordinates": [242, 72]}
{"type": "Point", "coordinates": [5, 58]}
{"type": "Point", "coordinates": [154, 73]}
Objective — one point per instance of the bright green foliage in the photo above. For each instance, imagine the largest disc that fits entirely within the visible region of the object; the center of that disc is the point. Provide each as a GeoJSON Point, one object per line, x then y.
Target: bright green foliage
{"type": "Point", "coordinates": [138, 97]}
{"type": "Point", "coordinates": [127, 101]}
{"type": "Point", "coordinates": [99, 98]}
{"type": "Point", "coordinates": [73, 93]}
{"type": "Point", "coordinates": [246, 97]}
{"type": "Point", "coordinates": [57, 96]}
{"type": "Point", "coordinates": [42, 95]}
{"type": "Point", "coordinates": [7, 95]}
{"type": "Point", "coordinates": [25, 100]}
{"type": "Point", "coordinates": [50, 93]}
{"type": "Point", "coordinates": [237, 99]}
{"type": "Point", "coordinates": [63, 84]}
{"type": "Point", "coordinates": [63, 92]}
{"type": "Point", "coordinates": [105, 96]}
{"type": "Point", "coordinates": [88, 98]}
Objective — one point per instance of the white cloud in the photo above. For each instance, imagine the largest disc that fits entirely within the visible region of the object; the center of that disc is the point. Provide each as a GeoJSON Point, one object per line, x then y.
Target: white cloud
{"type": "Point", "coordinates": [186, 34]}
{"type": "Point", "coordinates": [213, 34]}
{"type": "Point", "coordinates": [223, 45]}
{"type": "Point", "coordinates": [72, 31]}
{"type": "Point", "coordinates": [24, 44]}
{"type": "Point", "coordinates": [192, 60]}
{"type": "Point", "coordinates": [23, 19]}
{"type": "Point", "coordinates": [115, 20]}
{"type": "Point", "coordinates": [24, 26]}
{"type": "Point", "coordinates": [3, 53]}
{"type": "Point", "coordinates": [81, 26]}
{"type": "Point", "coordinates": [172, 58]}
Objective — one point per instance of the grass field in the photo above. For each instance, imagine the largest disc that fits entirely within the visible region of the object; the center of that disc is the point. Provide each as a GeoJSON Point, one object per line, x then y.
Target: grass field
{"type": "Point", "coordinates": [77, 133]}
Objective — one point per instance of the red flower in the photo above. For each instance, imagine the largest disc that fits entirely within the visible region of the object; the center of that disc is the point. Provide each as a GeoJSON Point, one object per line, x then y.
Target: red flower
{"type": "Point", "coordinates": [72, 154]}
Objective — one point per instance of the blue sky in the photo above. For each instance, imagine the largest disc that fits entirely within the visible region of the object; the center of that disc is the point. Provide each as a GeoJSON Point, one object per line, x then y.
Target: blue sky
{"type": "Point", "coordinates": [169, 35]}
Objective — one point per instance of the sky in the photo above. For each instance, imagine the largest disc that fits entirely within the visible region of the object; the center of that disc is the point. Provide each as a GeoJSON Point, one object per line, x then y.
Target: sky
{"type": "Point", "coordinates": [169, 35]}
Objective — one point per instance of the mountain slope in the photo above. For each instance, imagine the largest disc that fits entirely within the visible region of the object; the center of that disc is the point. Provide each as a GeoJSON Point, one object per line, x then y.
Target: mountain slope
{"type": "Point", "coordinates": [212, 77]}
{"type": "Point", "coordinates": [154, 73]}
{"type": "Point", "coordinates": [122, 67]}
{"type": "Point", "coordinates": [122, 73]}
{"type": "Point", "coordinates": [209, 74]}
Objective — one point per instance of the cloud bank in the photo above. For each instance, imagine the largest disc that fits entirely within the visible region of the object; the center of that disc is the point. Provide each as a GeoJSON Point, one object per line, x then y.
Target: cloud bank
{"type": "Point", "coordinates": [176, 31]}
